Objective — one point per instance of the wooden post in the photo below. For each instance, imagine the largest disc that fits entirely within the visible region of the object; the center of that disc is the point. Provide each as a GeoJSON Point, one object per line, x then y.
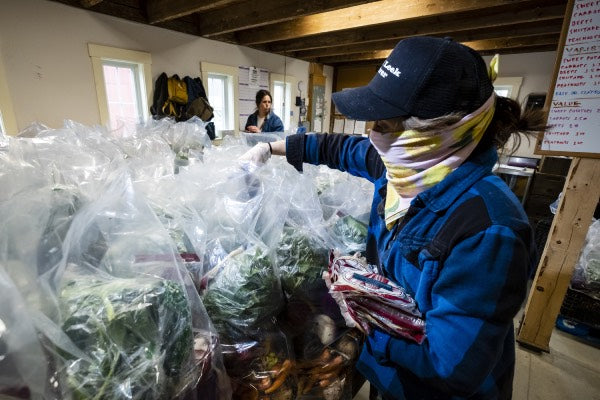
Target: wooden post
{"type": "Point", "coordinates": [562, 250]}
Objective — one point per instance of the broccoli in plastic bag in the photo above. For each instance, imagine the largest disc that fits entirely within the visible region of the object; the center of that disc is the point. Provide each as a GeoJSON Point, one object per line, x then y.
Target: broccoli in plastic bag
{"type": "Point", "coordinates": [137, 334]}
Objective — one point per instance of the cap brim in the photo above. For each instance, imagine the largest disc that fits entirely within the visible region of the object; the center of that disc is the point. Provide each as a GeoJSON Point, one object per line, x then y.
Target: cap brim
{"type": "Point", "coordinates": [362, 104]}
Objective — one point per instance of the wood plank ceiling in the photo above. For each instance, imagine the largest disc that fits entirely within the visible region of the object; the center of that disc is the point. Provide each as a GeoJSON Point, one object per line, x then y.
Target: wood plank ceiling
{"type": "Point", "coordinates": [345, 32]}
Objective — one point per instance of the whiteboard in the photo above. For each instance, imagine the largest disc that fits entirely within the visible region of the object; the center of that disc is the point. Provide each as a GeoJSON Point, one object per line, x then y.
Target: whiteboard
{"type": "Point", "coordinates": [574, 109]}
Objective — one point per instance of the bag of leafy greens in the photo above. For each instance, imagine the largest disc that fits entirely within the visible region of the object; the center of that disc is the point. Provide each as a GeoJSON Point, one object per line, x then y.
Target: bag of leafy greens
{"type": "Point", "coordinates": [324, 348]}
{"type": "Point", "coordinates": [132, 324]}
{"type": "Point", "coordinates": [243, 291]}
{"type": "Point", "coordinates": [350, 232]}
{"type": "Point", "coordinates": [243, 297]}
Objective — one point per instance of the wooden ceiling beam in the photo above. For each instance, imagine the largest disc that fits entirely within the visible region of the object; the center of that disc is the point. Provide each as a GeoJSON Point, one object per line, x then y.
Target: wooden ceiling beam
{"type": "Point", "coordinates": [524, 49]}
{"type": "Point", "coordinates": [89, 3]}
{"type": "Point", "coordinates": [426, 26]}
{"type": "Point", "coordinates": [253, 14]}
{"type": "Point", "coordinates": [501, 45]}
{"type": "Point", "coordinates": [514, 30]}
{"type": "Point", "coordinates": [483, 46]}
{"type": "Point", "coordinates": [379, 55]}
{"type": "Point", "coordinates": [165, 10]}
{"type": "Point", "coordinates": [381, 12]}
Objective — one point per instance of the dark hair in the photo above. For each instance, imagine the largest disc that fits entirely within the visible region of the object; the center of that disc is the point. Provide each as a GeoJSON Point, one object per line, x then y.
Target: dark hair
{"type": "Point", "coordinates": [262, 93]}
{"type": "Point", "coordinates": [508, 120]}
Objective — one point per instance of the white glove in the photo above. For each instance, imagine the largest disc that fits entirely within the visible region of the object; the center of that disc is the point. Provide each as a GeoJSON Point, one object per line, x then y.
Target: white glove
{"type": "Point", "coordinates": [257, 155]}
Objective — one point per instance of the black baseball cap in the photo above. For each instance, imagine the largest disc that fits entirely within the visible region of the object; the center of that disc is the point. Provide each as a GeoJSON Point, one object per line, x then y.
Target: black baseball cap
{"type": "Point", "coordinates": [424, 77]}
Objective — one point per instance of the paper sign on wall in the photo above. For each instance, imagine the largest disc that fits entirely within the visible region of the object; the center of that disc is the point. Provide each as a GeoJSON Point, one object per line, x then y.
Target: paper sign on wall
{"type": "Point", "coordinates": [253, 78]}
{"type": "Point", "coordinates": [574, 113]}
{"type": "Point", "coordinates": [247, 92]}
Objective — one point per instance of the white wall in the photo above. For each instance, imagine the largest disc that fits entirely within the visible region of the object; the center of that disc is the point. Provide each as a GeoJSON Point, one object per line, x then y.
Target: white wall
{"type": "Point", "coordinates": [44, 52]}
{"type": "Point", "coordinates": [536, 70]}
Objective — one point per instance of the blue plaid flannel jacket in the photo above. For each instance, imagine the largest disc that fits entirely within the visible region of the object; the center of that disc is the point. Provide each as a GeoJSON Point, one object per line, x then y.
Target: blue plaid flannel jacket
{"type": "Point", "coordinates": [464, 251]}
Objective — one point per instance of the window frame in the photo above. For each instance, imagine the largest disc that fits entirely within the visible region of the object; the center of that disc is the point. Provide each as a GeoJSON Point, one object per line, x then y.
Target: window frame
{"type": "Point", "coordinates": [227, 98]}
{"type": "Point", "coordinates": [232, 72]}
{"type": "Point", "coordinates": [293, 82]}
{"type": "Point", "coordinates": [98, 54]}
{"type": "Point", "coordinates": [8, 121]}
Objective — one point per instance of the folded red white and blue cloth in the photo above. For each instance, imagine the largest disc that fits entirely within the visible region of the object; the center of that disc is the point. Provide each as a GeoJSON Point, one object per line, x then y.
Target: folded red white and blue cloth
{"type": "Point", "coordinates": [368, 299]}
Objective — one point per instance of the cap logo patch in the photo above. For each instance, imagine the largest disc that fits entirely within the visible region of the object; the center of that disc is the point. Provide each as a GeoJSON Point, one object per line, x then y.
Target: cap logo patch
{"type": "Point", "coordinates": [393, 70]}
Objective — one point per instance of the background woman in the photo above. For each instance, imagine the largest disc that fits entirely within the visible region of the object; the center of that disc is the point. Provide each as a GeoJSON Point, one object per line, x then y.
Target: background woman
{"type": "Point", "coordinates": [263, 119]}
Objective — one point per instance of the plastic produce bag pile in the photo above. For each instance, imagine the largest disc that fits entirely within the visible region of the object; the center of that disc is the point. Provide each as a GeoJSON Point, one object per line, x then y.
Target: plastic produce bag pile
{"type": "Point", "coordinates": [154, 266]}
{"type": "Point", "coordinates": [586, 276]}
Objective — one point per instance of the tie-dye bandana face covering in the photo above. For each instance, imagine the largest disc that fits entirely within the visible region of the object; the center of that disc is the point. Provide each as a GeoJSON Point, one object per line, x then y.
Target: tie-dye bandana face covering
{"type": "Point", "coordinates": [416, 161]}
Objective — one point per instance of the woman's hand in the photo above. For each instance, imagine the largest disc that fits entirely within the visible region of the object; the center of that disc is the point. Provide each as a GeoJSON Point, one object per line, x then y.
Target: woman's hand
{"type": "Point", "coordinates": [252, 129]}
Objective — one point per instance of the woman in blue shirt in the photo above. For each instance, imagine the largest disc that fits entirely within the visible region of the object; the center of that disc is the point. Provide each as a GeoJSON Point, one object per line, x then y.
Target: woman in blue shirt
{"type": "Point", "coordinates": [442, 225]}
{"type": "Point", "coordinates": [263, 119]}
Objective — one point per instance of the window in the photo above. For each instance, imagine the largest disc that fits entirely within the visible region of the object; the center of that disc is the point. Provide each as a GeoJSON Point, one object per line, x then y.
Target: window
{"type": "Point", "coordinates": [221, 84]}
{"type": "Point", "coordinates": [123, 82]}
{"type": "Point", "coordinates": [123, 93]}
{"type": "Point", "coordinates": [220, 97]}
{"type": "Point", "coordinates": [508, 87]}
{"type": "Point", "coordinates": [281, 89]}
{"type": "Point", "coordinates": [2, 128]}
{"type": "Point", "coordinates": [282, 101]}
{"type": "Point", "coordinates": [8, 122]}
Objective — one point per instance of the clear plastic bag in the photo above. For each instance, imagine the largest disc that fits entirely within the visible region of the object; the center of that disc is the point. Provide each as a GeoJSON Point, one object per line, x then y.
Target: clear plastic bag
{"type": "Point", "coordinates": [554, 205]}
{"type": "Point", "coordinates": [261, 366]}
{"type": "Point", "coordinates": [349, 232]}
{"type": "Point", "coordinates": [586, 276]}
{"type": "Point", "coordinates": [252, 139]}
{"type": "Point", "coordinates": [171, 204]}
{"type": "Point", "coordinates": [187, 139]}
{"type": "Point", "coordinates": [23, 367]}
{"type": "Point", "coordinates": [127, 304]}
{"type": "Point", "coordinates": [243, 292]}
{"type": "Point", "coordinates": [243, 297]}
{"type": "Point", "coordinates": [324, 348]}
{"type": "Point", "coordinates": [343, 194]}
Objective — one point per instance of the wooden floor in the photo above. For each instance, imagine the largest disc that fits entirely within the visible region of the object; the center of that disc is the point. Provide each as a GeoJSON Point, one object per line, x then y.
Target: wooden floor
{"type": "Point", "coordinates": [570, 371]}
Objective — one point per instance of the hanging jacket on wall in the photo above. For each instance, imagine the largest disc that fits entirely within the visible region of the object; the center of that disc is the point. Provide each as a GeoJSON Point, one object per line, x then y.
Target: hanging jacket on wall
{"type": "Point", "coordinates": [160, 96]}
{"type": "Point", "coordinates": [198, 104]}
{"type": "Point", "coordinates": [195, 88]}
{"type": "Point", "coordinates": [170, 97]}
{"type": "Point", "coordinates": [182, 99]}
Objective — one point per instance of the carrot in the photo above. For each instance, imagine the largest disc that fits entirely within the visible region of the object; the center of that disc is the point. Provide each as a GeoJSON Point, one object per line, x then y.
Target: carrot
{"type": "Point", "coordinates": [325, 356]}
{"type": "Point", "coordinates": [283, 373]}
{"type": "Point", "coordinates": [285, 367]}
{"type": "Point", "coordinates": [336, 363]}
{"type": "Point", "coordinates": [264, 383]}
{"type": "Point", "coordinates": [309, 384]}
{"type": "Point", "coordinates": [327, 376]}
{"type": "Point", "coordinates": [325, 383]}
